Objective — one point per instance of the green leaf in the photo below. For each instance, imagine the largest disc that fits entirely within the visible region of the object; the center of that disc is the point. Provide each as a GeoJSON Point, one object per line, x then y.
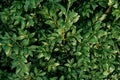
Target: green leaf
{"type": "Point", "coordinates": [102, 3]}
{"type": "Point", "coordinates": [21, 37]}
{"type": "Point", "coordinates": [47, 56]}
{"type": "Point", "coordinates": [40, 55]}
{"type": "Point", "coordinates": [31, 35]}
{"type": "Point", "coordinates": [7, 50]}
{"type": "Point", "coordinates": [61, 78]}
{"type": "Point", "coordinates": [101, 33]}
{"type": "Point", "coordinates": [54, 1]}
{"type": "Point", "coordinates": [23, 24]}
{"type": "Point", "coordinates": [25, 69]}
{"type": "Point", "coordinates": [14, 64]}
{"type": "Point", "coordinates": [16, 49]}
{"type": "Point", "coordinates": [73, 17]}
{"type": "Point", "coordinates": [30, 23]}
{"type": "Point", "coordinates": [25, 42]}
{"type": "Point", "coordinates": [26, 6]}
{"type": "Point", "coordinates": [78, 53]}
{"type": "Point", "coordinates": [49, 68]}
{"type": "Point", "coordinates": [70, 2]}
{"type": "Point", "coordinates": [97, 25]}
{"type": "Point", "coordinates": [94, 5]}
{"type": "Point", "coordinates": [93, 40]}
{"type": "Point", "coordinates": [50, 22]}
{"type": "Point", "coordinates": [63, 10]}
{"type": "Point", "coordinates": [103, 17]}
{"type": "Point", "coordinates": [32, 3]}
{"type": "Point", "coordinates": [36, 70]}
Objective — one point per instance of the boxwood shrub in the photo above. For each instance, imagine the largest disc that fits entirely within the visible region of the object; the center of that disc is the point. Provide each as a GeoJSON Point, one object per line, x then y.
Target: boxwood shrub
{"type": "Point", "coordinates": [59, 39]}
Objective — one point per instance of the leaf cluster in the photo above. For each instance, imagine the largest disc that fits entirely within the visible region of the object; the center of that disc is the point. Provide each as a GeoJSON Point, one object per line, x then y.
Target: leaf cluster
{"type": "Point", "coordinates": [59, 40]}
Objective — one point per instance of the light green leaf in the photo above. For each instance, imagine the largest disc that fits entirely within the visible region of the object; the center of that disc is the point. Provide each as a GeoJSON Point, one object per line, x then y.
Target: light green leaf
{"type": "Point", "coordinates": [93, 40]}
{"type": "Point", "coordinates": [21, 37]}
{"type": "Point", "coordinates": [50, 22]}
{"type": "Point", "coordinates": [7, 50]}
{"type": "Point", "coordinates": [25, 42]}
{"type": "Point", "coordinates": [33, 5]}
{"type": "Point", "coordinates": [103, 17]}
{"type": "Point", "coordinates": [61, 78]}
{"type": "Point", "coordinates": [97, 25]}
{"type": "Point", "coordinates": [73, 16]}
{"type": "Point", "coordinates": [23, 24]}
{"type": "Point", "coordinates": [40, 55]}
{"type": "Point", "coordinates": [26, 6]}
{"type": "Point", "coordinates": [14, 64]}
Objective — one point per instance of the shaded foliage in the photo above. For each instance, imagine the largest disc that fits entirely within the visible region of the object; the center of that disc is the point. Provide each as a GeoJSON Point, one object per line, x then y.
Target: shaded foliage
{"type": "Point", "coordinates": [59, 39]}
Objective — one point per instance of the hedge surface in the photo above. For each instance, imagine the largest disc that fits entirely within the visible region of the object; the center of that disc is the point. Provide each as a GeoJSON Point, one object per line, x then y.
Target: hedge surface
{"type": "Point", "coordinates": [59, 39]}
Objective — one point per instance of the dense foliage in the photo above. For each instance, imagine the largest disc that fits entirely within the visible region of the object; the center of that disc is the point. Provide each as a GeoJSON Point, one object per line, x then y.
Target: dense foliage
{"type": "Point", "coordinates": [59, 40]}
